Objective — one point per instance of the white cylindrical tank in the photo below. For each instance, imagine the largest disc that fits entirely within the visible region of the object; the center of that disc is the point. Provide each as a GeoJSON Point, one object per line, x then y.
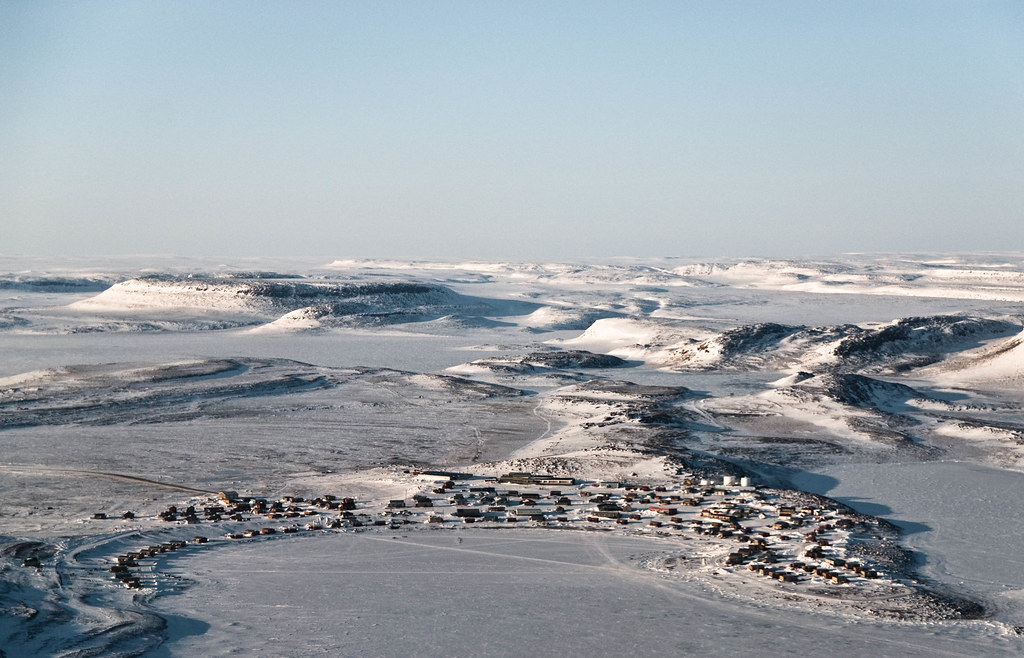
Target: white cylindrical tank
{"type": "Point", "coordinates": [703, 482]}
{"type": "Point", "coordinates": [727, 480]}
{"type": "Point", "coordinates": [744, 482]}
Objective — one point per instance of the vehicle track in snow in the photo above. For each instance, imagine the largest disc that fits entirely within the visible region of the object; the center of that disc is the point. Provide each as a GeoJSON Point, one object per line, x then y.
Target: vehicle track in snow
{"type": "Point", "coordinates": [44, 470]}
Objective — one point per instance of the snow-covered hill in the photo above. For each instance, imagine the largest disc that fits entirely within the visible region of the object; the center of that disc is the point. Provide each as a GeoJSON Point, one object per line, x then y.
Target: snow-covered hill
{"type": "Point", "coordinates": [257, 296]}
{"type": "Point", "coordinates": [897, 346]}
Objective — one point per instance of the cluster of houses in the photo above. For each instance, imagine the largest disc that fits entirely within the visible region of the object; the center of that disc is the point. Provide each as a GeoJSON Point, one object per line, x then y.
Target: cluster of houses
{"type": "Point", "coordinates": [768, 534]}
{"type": "Point", "coordinates": [756, 528]}
{"type": "Point", "coordinates": [121, 570]}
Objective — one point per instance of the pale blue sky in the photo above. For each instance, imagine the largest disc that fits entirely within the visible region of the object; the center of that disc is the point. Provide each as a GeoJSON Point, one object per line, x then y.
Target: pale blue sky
{"type": "Point", "coordinates": [510, 130]}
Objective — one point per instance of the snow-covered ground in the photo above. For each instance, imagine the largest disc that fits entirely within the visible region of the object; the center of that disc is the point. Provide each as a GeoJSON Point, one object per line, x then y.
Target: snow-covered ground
{"type": "Point", "coordinates": [958, 517]}
{"type": "Point", "coordinates": [888, 383]}
{"type": "Point", "coordinates": [502, 594]}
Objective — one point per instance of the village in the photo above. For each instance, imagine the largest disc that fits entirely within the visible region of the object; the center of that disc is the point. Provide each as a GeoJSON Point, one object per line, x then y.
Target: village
{"type": "Point", "coordinates": [728, 526]}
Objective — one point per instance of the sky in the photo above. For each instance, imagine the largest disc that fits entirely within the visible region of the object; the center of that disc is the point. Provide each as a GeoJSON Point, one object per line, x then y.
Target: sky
{"type": "Point", "coordinates": [510, 130]}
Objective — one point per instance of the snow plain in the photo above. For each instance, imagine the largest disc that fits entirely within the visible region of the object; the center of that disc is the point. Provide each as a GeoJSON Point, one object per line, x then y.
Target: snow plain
{"type": "Point", "coordinates": [890, 384]}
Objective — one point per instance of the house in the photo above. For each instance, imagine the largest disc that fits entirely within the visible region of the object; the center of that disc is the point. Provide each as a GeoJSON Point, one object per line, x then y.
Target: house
{"type": "Point", "coordinates": [227, 497]}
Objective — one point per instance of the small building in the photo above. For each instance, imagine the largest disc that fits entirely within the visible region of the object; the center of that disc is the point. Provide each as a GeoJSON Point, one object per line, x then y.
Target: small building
{"type": "Point", "coordinates": [520, 477]}
{"type": "Point", "coordinates": [227, 497]}
{"type": "Point", "coordinates": [444, 475]}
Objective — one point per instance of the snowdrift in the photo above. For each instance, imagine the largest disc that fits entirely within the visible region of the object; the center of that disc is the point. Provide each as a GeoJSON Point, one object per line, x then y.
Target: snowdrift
{"type": "Point", "coordinates": [999, 364]}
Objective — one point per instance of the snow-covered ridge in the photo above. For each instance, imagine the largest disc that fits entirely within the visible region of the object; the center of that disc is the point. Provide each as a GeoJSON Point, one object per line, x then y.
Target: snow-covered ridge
{"type": "Point", "coordinates": [965, 277]}
{"type": "Point", "coordinates": [249, 295]}
{"type": "Point", "coordinates": [860, 391]}
{"type": "Point", "coordinates": [292, 303]}
{"type": "Point", "coordinates": [899, 345]}
{"type": "Point", "coordinates": [55, 283]}
{"type": "Point", "coordinates": [952, 278]}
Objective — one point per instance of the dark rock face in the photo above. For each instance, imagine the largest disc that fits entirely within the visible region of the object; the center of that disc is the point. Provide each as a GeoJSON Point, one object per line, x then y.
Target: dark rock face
{"type": "Point", "coordinates": [862, 391]}
{"type": "Point", "coordinates": [573, 359]}
{"type": "Point", "coordinates": [753, 337]}
{"type": "Point", "coordinates": [928, 334]}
